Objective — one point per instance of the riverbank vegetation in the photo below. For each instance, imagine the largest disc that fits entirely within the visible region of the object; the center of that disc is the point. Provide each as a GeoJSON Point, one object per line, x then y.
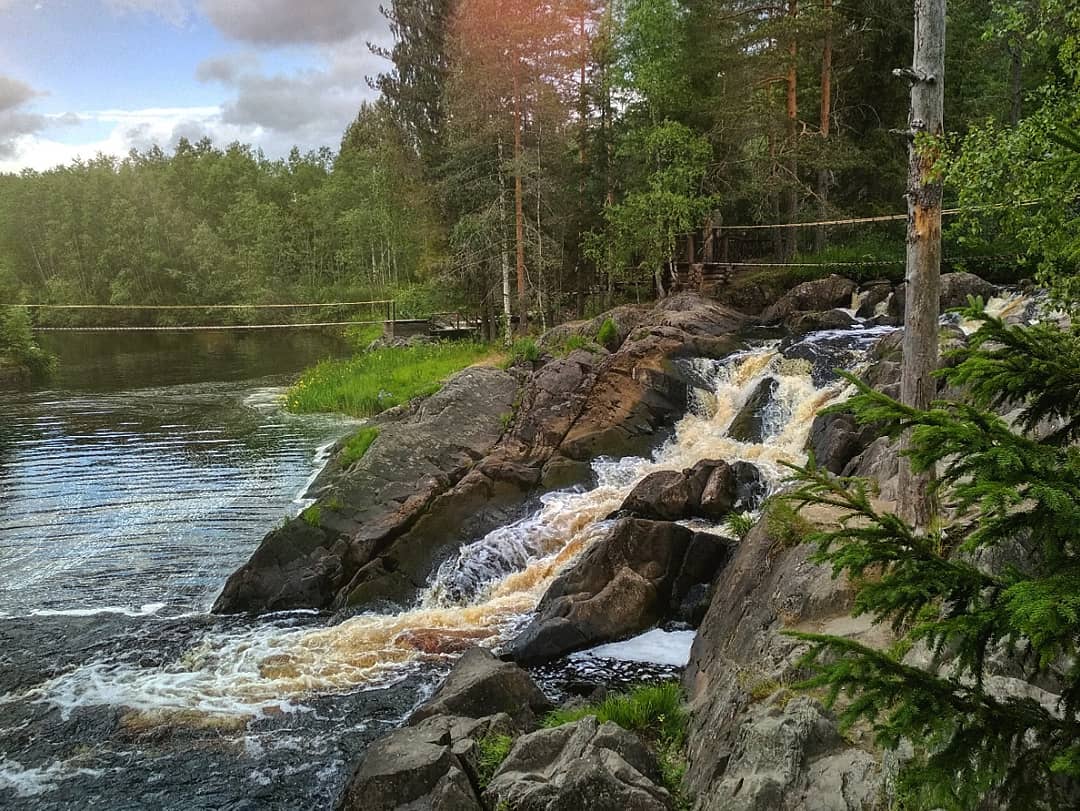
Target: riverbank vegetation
{"type": "Point", "coordinates": [564, 148]}
{"type": "Point", "coordinates": [372, 382]}
{"type": "Point", "coordinates": [20, 353]}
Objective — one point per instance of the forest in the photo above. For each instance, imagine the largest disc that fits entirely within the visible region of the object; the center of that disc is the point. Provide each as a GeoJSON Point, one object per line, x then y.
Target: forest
{"type": "Point", "coordinates": [541, 159]}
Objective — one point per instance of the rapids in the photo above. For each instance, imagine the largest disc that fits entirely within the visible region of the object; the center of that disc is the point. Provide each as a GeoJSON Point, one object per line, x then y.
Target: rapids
{"type": "Point", "coordinates": [277, 706]}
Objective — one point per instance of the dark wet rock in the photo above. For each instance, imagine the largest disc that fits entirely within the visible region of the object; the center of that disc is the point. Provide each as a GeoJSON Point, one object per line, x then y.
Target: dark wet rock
{"type": "Point", "coordinates": [711, 489]}
{"type": "Point", "coordinates": [814, 296]}
{"type": "Point", "coordinates": [667, 495]}
{"type": "Point", "coordinates": [625, 583]}
{"type": "Point", "coordinates": [752, 743]}
{"type": "Point", "coordinates": [415, 459]}
{"type": "Point", "coordinates": [836, 438]}
{"type": "Point", "coordinates": [749, 424]}
{"type": "Point", "coordinates": [873, 295]}
{"type": "Point", "coordinates": [601, 767]}
{"type": "Point", "coordinates": [800, 323]}
{"type": "Point", "coordinates": [481, 685]}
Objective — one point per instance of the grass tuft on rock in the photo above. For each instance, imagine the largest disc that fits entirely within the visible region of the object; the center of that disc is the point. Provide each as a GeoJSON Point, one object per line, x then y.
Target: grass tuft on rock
{"type": "Point", "coordinates": [372, 382]}
{"type": "Point", "coordinates": [492, 750]}
{"type": "Point", "coordinates": [357, 446]}
{"type": "Point", "coordinates": [657, 713]}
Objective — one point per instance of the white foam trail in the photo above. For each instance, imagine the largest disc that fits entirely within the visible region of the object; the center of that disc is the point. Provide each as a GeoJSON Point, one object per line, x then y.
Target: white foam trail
{"type": "Point", "coordinates": [655, 647]}
{"type": "Point", "coordinates": [33, 782]}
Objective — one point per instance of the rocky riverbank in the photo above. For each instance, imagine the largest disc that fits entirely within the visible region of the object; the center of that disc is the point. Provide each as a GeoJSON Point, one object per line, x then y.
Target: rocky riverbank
{"type": "Point", "coordinates": [477, 456]}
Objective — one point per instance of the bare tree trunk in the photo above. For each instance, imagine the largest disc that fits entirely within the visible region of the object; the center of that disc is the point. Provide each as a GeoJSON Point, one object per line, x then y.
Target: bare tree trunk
{"type": "Point", "coordinates": [519, 211]}
{"type": "Point", "coordinates": [504, 255]}
{"type": "Point", "coordinates": [917, 388]}
{"type": "Point", "coordinates": [826, 123]}
{"type": "Point", "coordinates": [790, 203]}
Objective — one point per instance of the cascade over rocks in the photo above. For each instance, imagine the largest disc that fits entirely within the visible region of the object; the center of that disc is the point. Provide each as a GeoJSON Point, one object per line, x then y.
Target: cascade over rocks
{"type": "Point", "coordinates": [749, 424]}
{"type": "Point", "coordinates": [624, 583]}
{"type": "Point", "coordinates": [448, 470]}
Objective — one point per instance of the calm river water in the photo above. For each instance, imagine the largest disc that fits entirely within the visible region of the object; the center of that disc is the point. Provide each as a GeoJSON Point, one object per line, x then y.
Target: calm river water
{"type": "Point", "coordinates": [130, 488]}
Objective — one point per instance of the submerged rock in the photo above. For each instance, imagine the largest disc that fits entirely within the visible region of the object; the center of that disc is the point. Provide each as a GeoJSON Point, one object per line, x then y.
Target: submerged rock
{"type": "Point", "coordinates": [625, 583]}
{"type": "Point", "coordinates": [584, 765]}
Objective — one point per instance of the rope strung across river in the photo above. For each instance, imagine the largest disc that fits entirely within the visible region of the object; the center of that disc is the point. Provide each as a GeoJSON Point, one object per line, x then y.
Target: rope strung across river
{"type": "Point", "coordinates": [198, 306]}
{"type": "Point", "coordinates": [209, 328]}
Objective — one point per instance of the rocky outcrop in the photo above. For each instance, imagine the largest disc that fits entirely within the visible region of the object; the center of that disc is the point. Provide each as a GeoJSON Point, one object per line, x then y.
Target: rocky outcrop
{"type": "Point", "coordinates": [449, 470]}
{"type": "Point", "coordinates": [711, 489]}
{"type": "Point", "coordinates": [625, 583]}
{"type": "Point", "coordinates": [418, 456]}
{"type": "Point", "coordinates": [752, 743]}
{"type": "Point", "coordinates": [813, 296]}
{"type": "Point", "coordinates": [601, 767]}
{"type": "Point", "coordinates": [836, 439]}
{"type": "Point", "coordinates": [955, 289]}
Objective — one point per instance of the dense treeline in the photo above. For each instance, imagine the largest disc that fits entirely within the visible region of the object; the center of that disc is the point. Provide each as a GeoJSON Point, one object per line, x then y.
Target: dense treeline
{"type": "Point", "coordinates": [530, 157]}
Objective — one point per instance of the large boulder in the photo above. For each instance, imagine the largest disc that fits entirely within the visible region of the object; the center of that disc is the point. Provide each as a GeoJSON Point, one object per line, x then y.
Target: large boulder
{"type": "Point", "coordinates": [956, 287]}
{"type": "Point", "coordinates": [815, 296]}
{"type": "Point", "coordinates": [753, 744]}
{"type": "Point", "coordinates": [584, 765]}
{"type": "Point", "coordinates": [410, 769]}
{"type": "Point", "coordinates": [623, 584]}
{"type": "Point", "coordinates": [711, 489]}
{"type": "Point", "coordinates": [419, 455]}
{"type": "Point", "coordinates": [481, 685]}
{"type": "Point", "coordinates": [836, 438]}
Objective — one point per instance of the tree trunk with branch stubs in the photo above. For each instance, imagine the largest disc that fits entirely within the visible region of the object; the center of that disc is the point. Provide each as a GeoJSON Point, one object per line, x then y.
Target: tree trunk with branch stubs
{"type": "Point", "coordinates": [917, 387]}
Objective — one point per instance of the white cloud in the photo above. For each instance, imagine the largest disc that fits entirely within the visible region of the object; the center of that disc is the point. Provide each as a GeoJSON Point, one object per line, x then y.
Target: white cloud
{"type": "Point", "coordinates": [279, 22]}
{"type": "Point", "coordinates": [174, 11]}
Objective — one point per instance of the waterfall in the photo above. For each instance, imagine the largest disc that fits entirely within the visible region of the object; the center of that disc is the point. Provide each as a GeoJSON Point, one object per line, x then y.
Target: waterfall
{"type": "Point", "coordinates": [481, 596]}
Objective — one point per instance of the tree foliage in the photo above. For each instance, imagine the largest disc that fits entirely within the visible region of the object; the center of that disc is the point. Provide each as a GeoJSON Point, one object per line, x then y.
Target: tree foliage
{"type": "Point", "coordinates": [1001, 583]}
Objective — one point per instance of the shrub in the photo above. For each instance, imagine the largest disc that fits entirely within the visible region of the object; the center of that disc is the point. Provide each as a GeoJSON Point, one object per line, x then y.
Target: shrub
{"type": "Point", "coordinates": [525, 350]}
{"type": "Point", "coordinates": [608, 335]}
{"type": "Point", "coordinates": [17, 342]}
{"type": "Point", "coordinates": [372, 382]}
{"type": "Point", "coordinates": [1016, 488]}
{"type": "Point", "coordinates": [357, 446]}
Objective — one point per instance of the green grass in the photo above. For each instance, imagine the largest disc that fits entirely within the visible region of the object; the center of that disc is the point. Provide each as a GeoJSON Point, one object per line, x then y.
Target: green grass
{"type": "Point", "coordinates": [657, 713]}
{"type": "Point", "coordinates": [525, 350]}
{"type": "Point", "coordinates": [608, 334]}
{"type": "Point", "coordinates": [361, 336]}
{"type": "Point", "coordinates": [492, 751]}
{"type": "Point", "coordinates": [740, 524]}
{"type": "Point", "coordinates": [312, 516]}
{"type": "Point", "coordinates": [357, 446]}
{"type": "Point", "coordinates": [372, 382]}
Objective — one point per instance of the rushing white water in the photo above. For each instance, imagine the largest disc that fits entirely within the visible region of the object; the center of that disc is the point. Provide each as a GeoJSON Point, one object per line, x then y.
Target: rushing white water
{"type": "Point", "coordinates": [482, 596]}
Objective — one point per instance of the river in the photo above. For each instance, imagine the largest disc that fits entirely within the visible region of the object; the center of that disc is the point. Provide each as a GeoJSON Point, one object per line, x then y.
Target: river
{"type": "Point", "coordinates": [135, 485]}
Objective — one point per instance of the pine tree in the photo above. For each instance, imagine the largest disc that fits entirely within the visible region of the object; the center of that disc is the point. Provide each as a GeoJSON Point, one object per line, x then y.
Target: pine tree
{"type": "Point", "coordinates": [1014, 490]}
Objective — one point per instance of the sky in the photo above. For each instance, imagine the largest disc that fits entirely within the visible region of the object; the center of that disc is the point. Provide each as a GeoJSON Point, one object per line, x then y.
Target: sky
{"type": "Point", "coordinates": [79, 77]}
